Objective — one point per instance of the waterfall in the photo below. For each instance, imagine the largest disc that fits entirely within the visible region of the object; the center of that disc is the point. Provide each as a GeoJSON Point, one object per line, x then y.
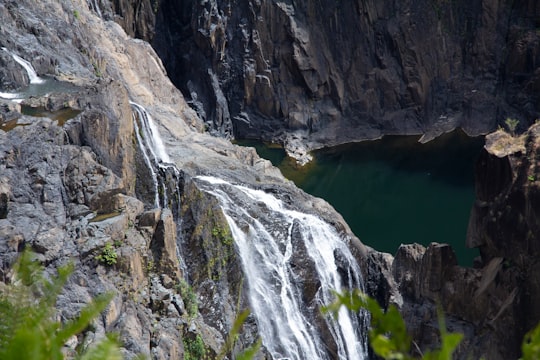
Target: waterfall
{"type": "Point", "coordinates": [165, 176]}
{"type": "Point", "coordinates": [266, 245]}
{"type": "Point", "coordinates": [94, 5]}
{"type": "Point", "coordinates": [155, 144]}
{"type": "Point", "coordinates": [267, 236]}
{"type": "Point", "coordinates": [154, 153]}
{"type": "Point", "coordinates": [32, 75]}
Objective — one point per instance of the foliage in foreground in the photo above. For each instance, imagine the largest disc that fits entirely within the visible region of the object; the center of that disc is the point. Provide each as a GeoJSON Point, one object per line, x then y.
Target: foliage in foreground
{"type": "Point", "coordinates": [28, 325]}
{"type": "Point", "coordinates": [388, 335]}
{"type": "Point", "coordinates": [29, 328]}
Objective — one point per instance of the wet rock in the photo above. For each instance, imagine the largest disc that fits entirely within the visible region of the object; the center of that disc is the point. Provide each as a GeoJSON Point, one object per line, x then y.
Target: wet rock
{"type": "Point", "coordinates": [163, 246]}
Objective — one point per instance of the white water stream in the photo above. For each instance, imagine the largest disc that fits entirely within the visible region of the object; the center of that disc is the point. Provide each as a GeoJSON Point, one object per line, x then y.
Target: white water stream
{"type": "Point", "coordinates": [266, 246]}
{"type": "Point", "coordinates": [32, 75]}
{"type": "Point", "coordinates": [94, 5]}
{"type": "Point", "coordinates": [153, 150]}
{"type": "Point", "coordinates": [39, 86]}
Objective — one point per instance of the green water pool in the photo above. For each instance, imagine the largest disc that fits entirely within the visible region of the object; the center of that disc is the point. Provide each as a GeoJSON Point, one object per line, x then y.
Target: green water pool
{"type": "Point", "coordinates": [394, 190]}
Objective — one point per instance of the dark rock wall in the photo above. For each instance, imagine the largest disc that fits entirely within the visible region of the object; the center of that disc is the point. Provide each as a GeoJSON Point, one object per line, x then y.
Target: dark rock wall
{"type": "Point", "coordinates": [342, 71]}
{"type": "Point", "coordinates": [137, 17]}
{"type": "Point", "coordinates": [505, 221]}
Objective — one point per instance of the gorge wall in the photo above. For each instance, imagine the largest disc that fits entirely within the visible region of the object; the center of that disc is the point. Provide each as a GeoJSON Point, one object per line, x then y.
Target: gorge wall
{"type": "Point", "coordinates": [69, 188]}
{"type": "Point", "coordinates": [310, 74]}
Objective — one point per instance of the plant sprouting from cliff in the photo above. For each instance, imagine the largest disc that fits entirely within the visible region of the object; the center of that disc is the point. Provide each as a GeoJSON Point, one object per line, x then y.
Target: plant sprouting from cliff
{"type": "Point", "coordinates": [223, 235]}
{"type": "Point", "coordinates": [388, 335]}
{"type": "Point", "coordinates": [194, 349]}
{"type": "Point", "coordinates": [189, 297]}
{"type": "Point", "coordinates": [530, 348]}
{"type": "Point", "coordinates": [29, 328]}
{"type": "Point", "coordinates": [108, 255]}
{"type": "Point", "coordinates": [512, 125]}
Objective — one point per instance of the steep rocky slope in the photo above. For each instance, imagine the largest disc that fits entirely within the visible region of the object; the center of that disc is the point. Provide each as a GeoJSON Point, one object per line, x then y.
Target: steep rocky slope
{"type": "Point", "coordinates": [75, 186]}
{"type": "Point", "coordinates": [72, 185]}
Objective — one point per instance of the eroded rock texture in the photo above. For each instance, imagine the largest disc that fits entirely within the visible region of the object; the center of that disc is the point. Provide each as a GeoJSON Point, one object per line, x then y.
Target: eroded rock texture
{"type": "Point", "coordinates": [321, 73]}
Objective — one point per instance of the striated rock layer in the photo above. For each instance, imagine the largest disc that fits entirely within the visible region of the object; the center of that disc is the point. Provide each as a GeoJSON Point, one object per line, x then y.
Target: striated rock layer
{"type": "Point", "coordinates": [310, 74]}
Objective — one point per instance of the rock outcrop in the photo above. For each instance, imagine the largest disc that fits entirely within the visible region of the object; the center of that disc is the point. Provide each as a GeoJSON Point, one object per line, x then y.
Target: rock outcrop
{"type": "Point", "coordinates": [495, 303]}
{"type": "Point", "coordinates": [312, 74]}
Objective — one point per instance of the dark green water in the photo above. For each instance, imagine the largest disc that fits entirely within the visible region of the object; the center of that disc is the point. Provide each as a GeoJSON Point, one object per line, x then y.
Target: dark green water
{"type": "Point", "coordinates": [395, 190]}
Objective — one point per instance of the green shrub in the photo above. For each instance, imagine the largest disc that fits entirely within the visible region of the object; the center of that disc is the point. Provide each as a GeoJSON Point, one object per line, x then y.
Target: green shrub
{"type": "Point", "coordinates": [223, 235]}
{"type": "Point", "coordinates": [194, 349]}
{"type": "Point", "coordinates": [108, 255]}
{"type": "Point", "coordinates": [530, 348]}
{"type": "Point", "coordinates": [189, 297]}
{"type": "Point", "coordinates": [388, 335]}
{"type": "Point", "coordinates": [512, 125]}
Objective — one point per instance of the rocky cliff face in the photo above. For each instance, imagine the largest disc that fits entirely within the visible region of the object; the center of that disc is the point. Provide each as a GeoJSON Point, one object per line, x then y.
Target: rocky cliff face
{"type": "Point", "coordinates": [75, 185]}
{"type": "Point", "coordinates": [74, 181]}
{"type": "Point", "coordinates": [312, 74]}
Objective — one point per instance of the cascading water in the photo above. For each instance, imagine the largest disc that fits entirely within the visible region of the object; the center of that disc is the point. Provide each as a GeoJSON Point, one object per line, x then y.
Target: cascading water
{"type": "Point", "coordinates": [265, 245]}
{"type": "Point", "coordinates": [38, 86]}
{"type": "Point", "coordinates": [32, 75]}
{"type": "Point", "coordinates": [290, 328]}
{"type": "Point", "coordinates": [165, 176]}
{"type": "Point", "coordinates": [154, 153]}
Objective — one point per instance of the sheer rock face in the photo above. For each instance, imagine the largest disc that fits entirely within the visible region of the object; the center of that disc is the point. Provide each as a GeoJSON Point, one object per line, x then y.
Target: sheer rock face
{"type": "Point", "coordinates": [332, 72]}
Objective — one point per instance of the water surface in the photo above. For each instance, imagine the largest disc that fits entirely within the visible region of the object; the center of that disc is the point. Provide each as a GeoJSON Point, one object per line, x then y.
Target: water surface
{"type": "Point", "coordinates": [395, 190]}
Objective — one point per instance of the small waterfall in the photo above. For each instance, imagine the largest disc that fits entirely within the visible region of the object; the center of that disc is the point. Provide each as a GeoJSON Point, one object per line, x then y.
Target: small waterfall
{"type": "Point", "coordinates": [32, 75]}
{"type": "Point", "coordinates": [154, 154]}
{"type": "Point", "coordinates": [165, 175]}
{"type": "Point", "coordinates": [154, 142]}
{"type": "Point", "coordinates": [94, 5]}
{"type": "Point", "coordinates": [265, 244]}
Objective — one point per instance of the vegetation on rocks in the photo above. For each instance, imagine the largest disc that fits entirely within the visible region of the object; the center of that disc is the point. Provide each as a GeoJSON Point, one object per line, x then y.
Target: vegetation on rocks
{"type": "Point", "coordinates": [108, 255]}
{"type": "Point", "coordinates": [189, 297]}
{"type": "Point", "coordinates": [29, 328]}
{"type": "Point", "coordinates": [389, 339]}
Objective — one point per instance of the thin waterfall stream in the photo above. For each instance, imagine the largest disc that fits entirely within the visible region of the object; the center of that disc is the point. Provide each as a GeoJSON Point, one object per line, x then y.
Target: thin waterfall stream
{"type": "Point", "coordinates": [32, 75]}
{"type": "Point", "coordinates": [39, 86]}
